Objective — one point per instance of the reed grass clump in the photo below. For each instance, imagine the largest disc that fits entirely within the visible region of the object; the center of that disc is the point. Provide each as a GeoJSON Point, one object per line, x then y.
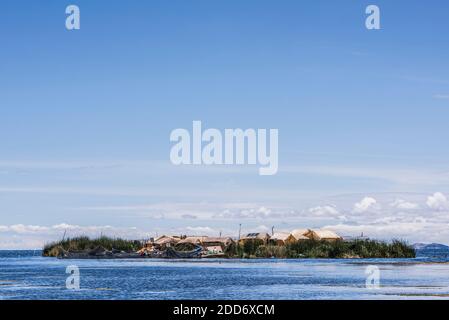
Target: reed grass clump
{"type": "Point", "coordinates": [326, 250]}
{"type": "Point", "coordinates": [83, 243]}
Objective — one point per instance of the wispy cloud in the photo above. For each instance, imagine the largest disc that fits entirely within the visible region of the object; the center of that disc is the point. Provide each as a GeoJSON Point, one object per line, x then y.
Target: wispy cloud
{"type": "Point", "coordinates": [424, 79]}
{"type": "Point", "coordinates": [441, 96]}
{"type": "Point", "coordinates": [417, 230]}
{"type": "Point", "coordinates": [20, 236]}
{"type": "Point", "coordinates": [395, 175]}
{"type": "Point", "coordinates": [404, 205]}
{"type": "Point", "coordinates": [425, 220]}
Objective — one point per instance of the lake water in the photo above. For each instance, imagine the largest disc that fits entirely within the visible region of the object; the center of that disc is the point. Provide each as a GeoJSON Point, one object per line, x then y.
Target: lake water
{"type": "Point", "coordinates": [26, 275]}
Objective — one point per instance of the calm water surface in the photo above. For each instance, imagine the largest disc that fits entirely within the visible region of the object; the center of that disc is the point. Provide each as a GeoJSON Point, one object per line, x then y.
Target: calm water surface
{"type": "Point", "coordinates": [26, 275]}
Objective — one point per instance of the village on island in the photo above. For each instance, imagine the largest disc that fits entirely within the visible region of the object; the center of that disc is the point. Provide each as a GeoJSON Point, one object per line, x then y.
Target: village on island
{"type": "Point", "coordinates": [299, 243]}
{"type": "Point", "coordinates": [219, 246]}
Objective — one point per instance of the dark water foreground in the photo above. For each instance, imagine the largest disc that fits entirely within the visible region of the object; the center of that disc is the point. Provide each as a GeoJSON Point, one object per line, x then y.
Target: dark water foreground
{"type": "Point", "coordinates": [27, 275]}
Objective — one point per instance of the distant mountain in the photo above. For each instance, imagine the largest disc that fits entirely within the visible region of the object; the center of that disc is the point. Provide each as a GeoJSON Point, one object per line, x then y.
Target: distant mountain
{"type": "Point", "coordinates": [431, 250]}
{"type": "Point", "coordinates": [431, 246]}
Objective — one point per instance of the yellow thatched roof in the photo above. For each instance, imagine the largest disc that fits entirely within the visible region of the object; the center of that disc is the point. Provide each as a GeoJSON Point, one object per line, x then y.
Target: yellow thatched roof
{"type": "Point", "coordinates": [300, 234]}
{"type": "Point", "coordinates": [193, 240]}
{"type": "Point", "coordinates": [283, 236]}
{"type": "Point", "coordinates": [325, 234]}
{"type": "Point", "coordinates": [166, 239]}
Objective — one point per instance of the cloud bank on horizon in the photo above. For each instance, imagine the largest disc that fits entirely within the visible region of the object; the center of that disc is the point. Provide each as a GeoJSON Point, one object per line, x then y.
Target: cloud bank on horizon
{"type": "Point", "coordinates": [425, 220]}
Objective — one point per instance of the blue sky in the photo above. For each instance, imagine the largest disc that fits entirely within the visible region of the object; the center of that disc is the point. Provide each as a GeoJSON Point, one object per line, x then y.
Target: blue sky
{"type": "Point", "coordinates": [86, 116]}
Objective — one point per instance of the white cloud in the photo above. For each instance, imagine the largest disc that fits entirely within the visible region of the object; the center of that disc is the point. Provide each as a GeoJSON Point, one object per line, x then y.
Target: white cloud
{"type": "Point", "coordinates": [202, 231]}
{"type": "Point", "coordinates": [264, 211]}
{"type": "Point", "coordinates": [364, 205]}
{"type": "Point", "coordinates": [189, 216]}
{"type": "Point", "coordinates": [261, 212]}
{"type": "Point", "coordinates": [441, 96]}
{"type": "Point", "coordinates": [404, 205]}
{"type": "Point", "coordinates": [399, 175]}
{"type": "Point", "coordinates": [324, 211]}
{"type": "Point", "coordinates": [20, 228]}
{"type": "Point", "coordinates": [415, 230]}
{"type": "Point", "coordinates": [19, 236]}
{"type": "Point", "coordinates": [437, 201]}
{"type": "Point", "coordinates": [262, 228]}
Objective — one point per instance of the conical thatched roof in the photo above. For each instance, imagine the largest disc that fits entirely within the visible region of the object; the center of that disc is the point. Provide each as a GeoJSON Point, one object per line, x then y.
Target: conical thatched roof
{"type": "Point", "coordinates": [300, 234]}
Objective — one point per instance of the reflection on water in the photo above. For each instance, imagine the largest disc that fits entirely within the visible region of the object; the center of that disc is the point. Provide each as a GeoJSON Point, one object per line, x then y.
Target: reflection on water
{"type": "Point", "coordinates": [26, 275]}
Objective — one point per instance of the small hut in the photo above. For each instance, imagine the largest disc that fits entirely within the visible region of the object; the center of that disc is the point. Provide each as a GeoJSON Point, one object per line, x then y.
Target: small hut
{"type": "Point", "coordinates": [223, 242]}
{"type": "Point", "coordinates": [323, 235]}
{"type": "Point", "coordinates": [165, 241]}
{"type": "Point", "coordinates": [262, 237]}
{"type": "Point", "coordinates": [300, 234]}
{"type": "Point", "coordinates": [282, 238]}
{"type": "Point", "coordinates": [193, 240]}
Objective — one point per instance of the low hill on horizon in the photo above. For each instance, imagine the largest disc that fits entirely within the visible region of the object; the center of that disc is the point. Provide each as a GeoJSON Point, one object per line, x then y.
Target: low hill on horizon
{"type": "Point", "coordinates": [431, 250]}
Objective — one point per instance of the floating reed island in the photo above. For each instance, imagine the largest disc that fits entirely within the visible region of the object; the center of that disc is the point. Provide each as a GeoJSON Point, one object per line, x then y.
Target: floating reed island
{"type": "Point", "coordinates": [300, 243]}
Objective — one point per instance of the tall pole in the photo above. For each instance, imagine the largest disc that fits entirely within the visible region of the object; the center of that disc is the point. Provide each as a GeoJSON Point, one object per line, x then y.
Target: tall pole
{"type": "Point", "coordinates": [240, 229]}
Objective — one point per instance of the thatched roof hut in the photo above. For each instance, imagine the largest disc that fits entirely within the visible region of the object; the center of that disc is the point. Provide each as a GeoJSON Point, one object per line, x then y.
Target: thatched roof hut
{"type": "Point", "coordinates": [166, 241]}
{"type": "Point", "coordinates": [221, 241]}
{"type": "Point", "coordinates": [282, 238]}
{"type": "Point", "coordinates": [256, 236]}
{"type": "Point", "coordinates": [193, 240]}
{"type": "Point", "coordinates": [300, 234]}
{"type": "Point", "coordinates": [323, 235]}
